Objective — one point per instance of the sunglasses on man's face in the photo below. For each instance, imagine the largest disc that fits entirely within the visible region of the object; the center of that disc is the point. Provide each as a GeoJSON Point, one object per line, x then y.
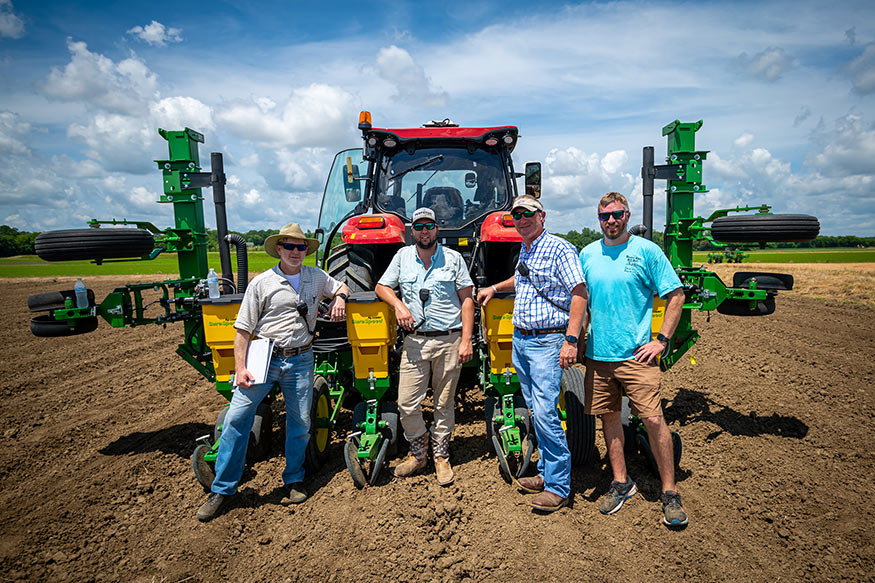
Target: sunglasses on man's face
{"type": "Point", "coordinates": [426, 226]}
{"type": "Point", "coordinates": [294, 246]}
{"type": "Point", "coordinates": [616, 214]}
{"type": "Point", "coordinates": [517, 215]}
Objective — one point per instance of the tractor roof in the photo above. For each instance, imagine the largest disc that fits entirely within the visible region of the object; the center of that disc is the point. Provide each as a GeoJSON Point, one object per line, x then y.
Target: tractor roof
{"type": "Point", "coordinates": [451, 133]}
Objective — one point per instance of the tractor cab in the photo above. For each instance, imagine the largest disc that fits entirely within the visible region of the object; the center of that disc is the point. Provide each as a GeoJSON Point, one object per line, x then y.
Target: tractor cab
{"type": "Point", "coordinates": [465, 175]}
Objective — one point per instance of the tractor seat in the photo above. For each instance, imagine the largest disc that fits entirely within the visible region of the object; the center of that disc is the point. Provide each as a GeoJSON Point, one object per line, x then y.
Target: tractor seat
{"type": "Point", "coordinates": [446, 202]}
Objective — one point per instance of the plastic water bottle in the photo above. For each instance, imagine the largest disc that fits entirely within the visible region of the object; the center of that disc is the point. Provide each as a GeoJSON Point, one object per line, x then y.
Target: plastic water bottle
{"type": "Point", "coordinates": [81, 293]}
{"type": "Point", "coordinates": [213, 283]}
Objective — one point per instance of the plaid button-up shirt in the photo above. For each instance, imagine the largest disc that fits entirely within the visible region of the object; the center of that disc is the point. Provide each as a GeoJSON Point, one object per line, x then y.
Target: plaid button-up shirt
{"type": "Point", "coordinates": [554, 268]}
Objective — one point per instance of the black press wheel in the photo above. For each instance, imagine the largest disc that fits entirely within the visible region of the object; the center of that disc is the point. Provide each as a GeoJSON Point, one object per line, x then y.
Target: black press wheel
{"type": "Point", "coordinates": [350, 451]}
{"type": "Point", "coordinates": [764, 228]}
{"type": "Point", "coordinates": [93, 244]}
{"type": "Point", "coordinates": [320, 432]}
{"type": "Point", "coordinates": [644, 445]}
{"type": "Point", "coordinates": [47, 327]}
{"type": "Point", "coordinates": [392, 433]}
{"type": "Point", "coordinates": [203, 470]}
{"type": "Point", "coordinates": [580, 427]}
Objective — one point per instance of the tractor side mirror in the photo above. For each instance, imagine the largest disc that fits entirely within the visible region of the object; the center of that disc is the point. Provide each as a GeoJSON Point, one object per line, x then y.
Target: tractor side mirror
{"type": "Point", "coordinates": [533, 179]}
{"type": "Point", "coordinates": [352, 186]}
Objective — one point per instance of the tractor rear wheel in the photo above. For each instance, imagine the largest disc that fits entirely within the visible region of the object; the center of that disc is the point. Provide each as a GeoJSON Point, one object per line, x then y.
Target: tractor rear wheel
{"type": "Point", "coordinates": [580, 427]}
{"type": "Point", "coordinates": [93, 244]}
{"type": "Point", "coordinates": [765, 228]}
{"type": "Point", "coordinates": [320, 433]}
{"type": "Point", "coordinates": [352, 265]}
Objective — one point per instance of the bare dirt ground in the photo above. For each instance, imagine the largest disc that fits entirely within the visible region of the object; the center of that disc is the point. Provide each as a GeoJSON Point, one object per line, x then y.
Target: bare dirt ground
{"type": "Point", "coordinates": [776, 419]}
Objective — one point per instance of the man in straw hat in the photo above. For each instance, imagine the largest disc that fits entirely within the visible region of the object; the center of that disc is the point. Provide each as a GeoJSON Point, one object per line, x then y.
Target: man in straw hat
{"type": "Point", "coordinates": [281, 304]}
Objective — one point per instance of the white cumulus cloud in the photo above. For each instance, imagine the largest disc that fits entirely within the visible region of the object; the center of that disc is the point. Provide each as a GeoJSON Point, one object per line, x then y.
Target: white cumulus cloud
{"type": "Point", "coordinates": [11, 25]}
{"type": "Point", "coordinates": [413, 86]}
{"type": "Point", "coordinates": [179, 112]}
{"type": "Point", "coordinates": [769, 65]}
{"type": "Point", "coordinates": [124, 87]}
{"type": "Point", "coordinates": [315, 115]}
{"type": "Point", "coordinates": [157, 34]}
{"type": "Point", "coordinates": [862, 71]}
{"type": "Point", "coordinates": [13, 133]}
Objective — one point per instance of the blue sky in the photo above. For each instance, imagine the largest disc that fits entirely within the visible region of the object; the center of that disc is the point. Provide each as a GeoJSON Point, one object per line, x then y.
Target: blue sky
{"type": "Point", "coordinates": [786, 91]}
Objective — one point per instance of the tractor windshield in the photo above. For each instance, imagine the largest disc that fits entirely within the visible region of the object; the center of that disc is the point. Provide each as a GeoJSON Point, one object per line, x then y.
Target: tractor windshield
{"type": "Point", "coordinates": [458, 184]}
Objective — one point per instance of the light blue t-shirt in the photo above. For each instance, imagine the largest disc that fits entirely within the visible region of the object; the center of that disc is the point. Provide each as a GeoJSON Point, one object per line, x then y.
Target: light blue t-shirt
{"type": "Point", "coordinates": [621, 281]}
{"type": "Point", "coordinates": [444, 278]}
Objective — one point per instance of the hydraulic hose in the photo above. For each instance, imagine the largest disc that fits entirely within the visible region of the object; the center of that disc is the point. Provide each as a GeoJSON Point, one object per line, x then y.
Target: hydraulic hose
{"type": "Point", "coordinates": [242, 261]}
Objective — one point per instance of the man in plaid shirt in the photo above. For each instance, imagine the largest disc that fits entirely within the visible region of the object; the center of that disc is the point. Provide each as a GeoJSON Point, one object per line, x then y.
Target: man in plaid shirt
{"type": "Point", "coordinates": [547, 315]}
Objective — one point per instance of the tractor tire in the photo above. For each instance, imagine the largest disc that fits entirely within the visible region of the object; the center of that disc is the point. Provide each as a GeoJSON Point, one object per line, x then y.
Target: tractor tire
{"type": "Point", "coordinates": [352, 265]}
{"type": "Point", "coordinates": [93, 244]}
{"type": "Point", "coordinates": [47, 327]}
{"type": "Point", "coordinates": [765, 228]}
{"type": "Point", "coordinates": [55, 300]}
{"type": "Point", "coordinates": [320, 437]}
{"type": "Point", "coordinates": [580, 430]}
{"type": "Point", "coordinates": [261, 434]}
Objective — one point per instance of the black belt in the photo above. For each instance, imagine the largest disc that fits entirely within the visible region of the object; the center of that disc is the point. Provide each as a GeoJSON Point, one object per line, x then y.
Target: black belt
{"type": "Point", "coordinates": [277, 351]}
{"type": "Point", "coordinates": [433, 333]}
{"type": "Point", "coordinates": [539, 331]}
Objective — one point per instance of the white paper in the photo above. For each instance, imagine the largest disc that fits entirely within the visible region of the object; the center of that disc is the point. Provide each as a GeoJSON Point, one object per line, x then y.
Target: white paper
{"type": "Point", "coordinates": [258, 356]}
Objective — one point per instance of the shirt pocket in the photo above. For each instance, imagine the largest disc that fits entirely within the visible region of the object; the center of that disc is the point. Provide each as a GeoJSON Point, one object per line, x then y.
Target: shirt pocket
{"type": "Point", "coordinates": [443, 284]}
{"type": "Point", "coordinates": [408, 285]}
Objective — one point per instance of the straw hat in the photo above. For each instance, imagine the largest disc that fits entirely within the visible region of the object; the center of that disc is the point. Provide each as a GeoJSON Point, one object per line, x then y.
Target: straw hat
{"type": "Point", "coordinates": [293, 231]}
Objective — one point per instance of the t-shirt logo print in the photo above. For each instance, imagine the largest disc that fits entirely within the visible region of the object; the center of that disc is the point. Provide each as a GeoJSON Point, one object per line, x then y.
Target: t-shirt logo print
{"type": "Point", "coordinates": [632, 264]}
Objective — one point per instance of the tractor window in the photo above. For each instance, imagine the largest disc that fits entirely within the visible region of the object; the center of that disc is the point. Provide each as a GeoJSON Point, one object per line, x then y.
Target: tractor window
{"type": "Point", "coordinates": [342, 195]}
{"type": "Point", "coordinates": [460, 186]}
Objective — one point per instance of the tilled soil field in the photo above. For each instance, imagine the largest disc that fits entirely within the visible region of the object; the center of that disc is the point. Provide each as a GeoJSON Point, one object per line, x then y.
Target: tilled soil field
{"type": "Point", "coordinates": [776, 419]}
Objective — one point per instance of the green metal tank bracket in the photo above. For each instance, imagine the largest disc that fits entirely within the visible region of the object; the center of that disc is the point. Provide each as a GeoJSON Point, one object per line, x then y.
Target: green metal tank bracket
{"type": "Point", "coordinates": [329, 370]}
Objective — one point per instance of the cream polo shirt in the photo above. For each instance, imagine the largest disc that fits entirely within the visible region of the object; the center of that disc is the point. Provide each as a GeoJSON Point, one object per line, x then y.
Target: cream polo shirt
{"type": "Point", "coordinates": [268, 307]}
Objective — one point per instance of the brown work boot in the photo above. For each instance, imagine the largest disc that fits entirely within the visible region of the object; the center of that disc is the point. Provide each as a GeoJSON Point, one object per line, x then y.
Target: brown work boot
{"type": "Point", "coordinates": [441, 450]}
{"type": "Point", "coordinates": [416, 460]}
{"type": "Point", "coordinates": [547, 501]}
{"type": "Point", "coordinates": [532, 485]}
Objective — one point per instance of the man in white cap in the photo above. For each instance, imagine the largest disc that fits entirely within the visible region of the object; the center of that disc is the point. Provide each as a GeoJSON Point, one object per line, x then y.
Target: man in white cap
{"type": "Point", "coordinates": [547, 315]}
{"type": "Point", "coordinates": [282, 304]}
{"type": "Point", "coordinates": [440, 322]}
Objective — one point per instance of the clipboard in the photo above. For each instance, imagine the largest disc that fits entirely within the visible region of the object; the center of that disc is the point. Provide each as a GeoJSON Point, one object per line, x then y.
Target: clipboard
{"type": "Point", "coordinates": [258, 354]}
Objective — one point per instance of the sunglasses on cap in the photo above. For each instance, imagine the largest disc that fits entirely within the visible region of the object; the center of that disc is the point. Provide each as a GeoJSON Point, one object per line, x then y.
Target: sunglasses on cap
{"type": "Point", "coordinates": [294, 246]}
{"type": "Point", "coordinates": [517, 215]}
{"type": "Point", "coordinates": [427, 226]}
{"type": "Point", "coordinates": [616, 214]}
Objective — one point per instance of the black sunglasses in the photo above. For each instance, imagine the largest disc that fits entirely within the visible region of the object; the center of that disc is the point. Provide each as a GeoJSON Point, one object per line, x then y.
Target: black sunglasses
{"type": "Point", "coordinates": [294, 246]}
{"type": "Point", "coordinates": [517, 215]}
{"type": "Point", "coordinates": [616, 214]}
{"type": "Point", "coordinates": [426, 226]}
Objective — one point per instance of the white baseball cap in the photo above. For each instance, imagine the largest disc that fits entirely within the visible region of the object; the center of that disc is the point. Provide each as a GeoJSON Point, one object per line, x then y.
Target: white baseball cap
{"type": "Point", "coordinates": [423, 213]}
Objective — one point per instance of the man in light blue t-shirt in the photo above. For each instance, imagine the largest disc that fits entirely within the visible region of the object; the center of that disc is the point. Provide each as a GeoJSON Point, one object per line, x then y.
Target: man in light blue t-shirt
{"type": "Point", "coordinates": [622, 273]}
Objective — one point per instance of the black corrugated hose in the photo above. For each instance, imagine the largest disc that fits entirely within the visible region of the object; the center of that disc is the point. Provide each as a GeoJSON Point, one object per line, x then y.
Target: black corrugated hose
{"type": "Point", "coordinates": [242, 261]}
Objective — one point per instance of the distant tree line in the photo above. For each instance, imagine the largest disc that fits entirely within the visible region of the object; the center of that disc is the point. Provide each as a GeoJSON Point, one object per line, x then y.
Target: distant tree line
{"type": "Point", "coordinates": [15, 242]}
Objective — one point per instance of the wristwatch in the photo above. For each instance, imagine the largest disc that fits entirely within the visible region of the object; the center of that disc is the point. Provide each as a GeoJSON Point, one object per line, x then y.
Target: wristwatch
{"type": "Point", "coordinates": [570, 339]}
{"type": "Point", "coordinates": [662, 337]}
{"type": "Point", "coordinates": [343, 295]}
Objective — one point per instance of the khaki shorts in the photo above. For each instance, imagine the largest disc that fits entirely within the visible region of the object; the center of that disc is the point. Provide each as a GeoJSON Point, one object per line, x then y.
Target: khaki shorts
{"type": "Point", "coordinates": [606, 381]}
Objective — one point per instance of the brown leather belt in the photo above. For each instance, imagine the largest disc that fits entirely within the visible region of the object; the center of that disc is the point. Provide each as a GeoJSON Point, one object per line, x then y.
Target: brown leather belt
{"type": "Point", "coordinates": [277, 351]}
{"type": "Point", "coordinates": [433, 333]}
{"type": "Point", "coordinates": [539, 331]}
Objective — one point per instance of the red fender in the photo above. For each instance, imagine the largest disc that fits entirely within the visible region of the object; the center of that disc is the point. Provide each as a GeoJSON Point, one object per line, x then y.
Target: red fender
{"type": "Point", "coordinates": [498, 227]}
{"type": "Point", "coordinates": [378, 228]}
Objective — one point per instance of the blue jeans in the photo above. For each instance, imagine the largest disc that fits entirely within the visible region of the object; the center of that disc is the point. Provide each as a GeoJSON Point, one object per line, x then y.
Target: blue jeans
{"type": "Point", "coordinates": [536, 360]}
{"type": "Point", "coordinates": [294, 374]}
